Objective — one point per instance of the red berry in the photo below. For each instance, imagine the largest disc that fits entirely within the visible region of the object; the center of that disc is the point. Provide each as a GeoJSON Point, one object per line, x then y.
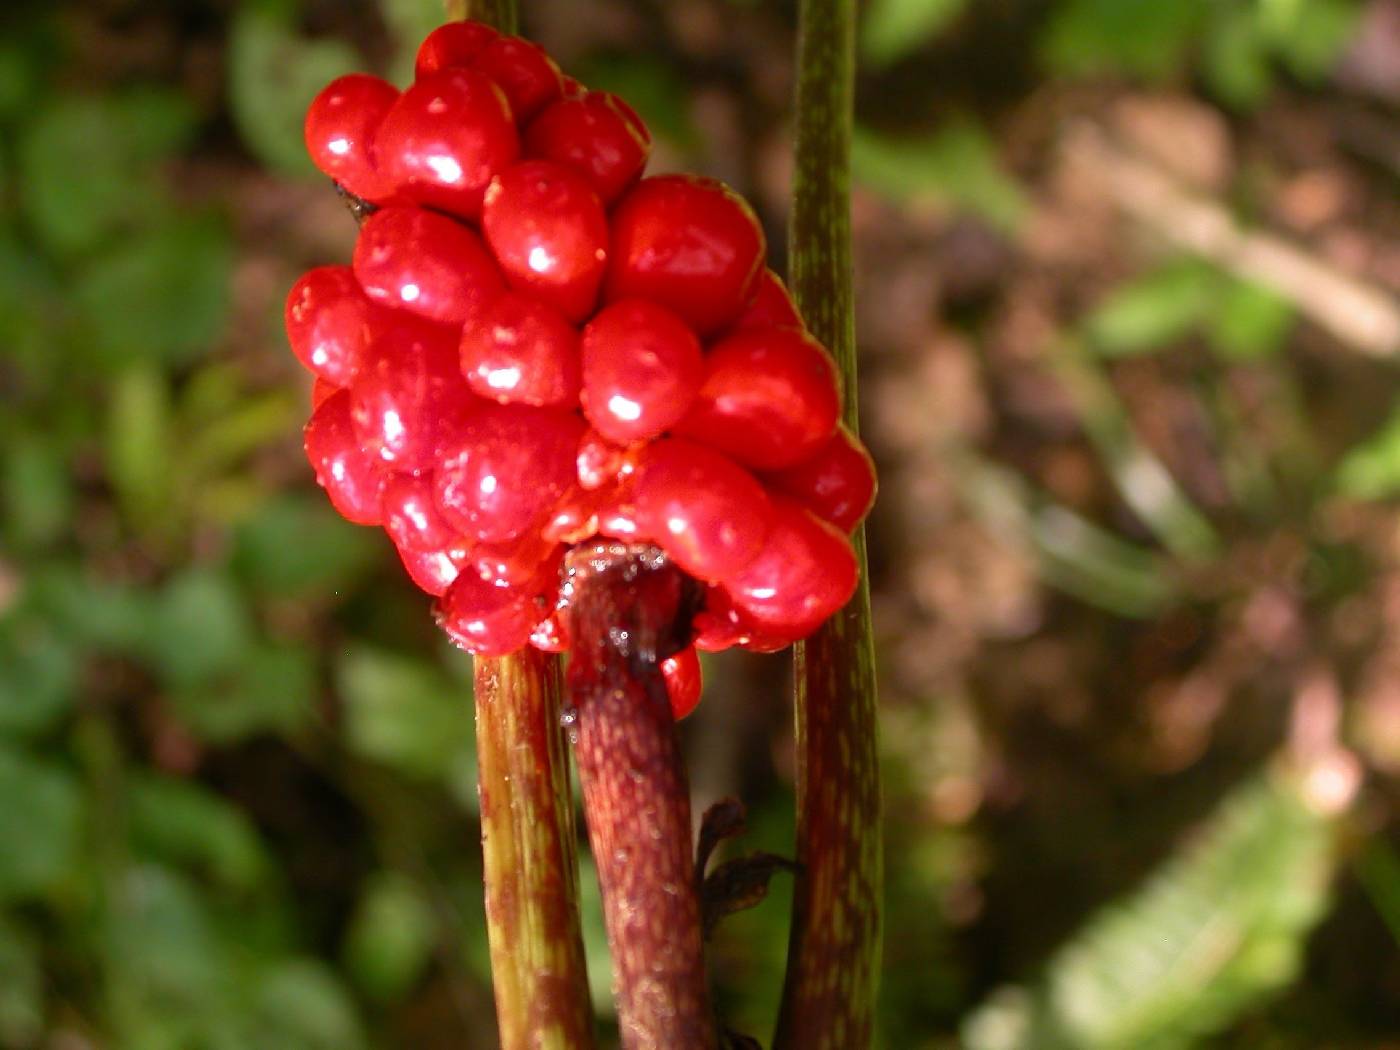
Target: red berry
{"type": "Point", "coordinates": [519, 350]}
{"type": "Point", "coordinates": [328, 323]}
{"type": "Point", "coordinates": [709, 514]}
{"type": "Point", "coordinates": [322, 390]}
{"type": "Point", "coordinates": [431, 571]}
{"type": "Point", "coordinates": [600, 462]}
{"type": "Point", "coordinates": [524, 71]}
{"type": "Point", "coordinates": [769, 398]}
{"type": "Point", "coordinates": [347, 472]}
{"type": "Point", "coordinates": [426, 263]}
{"type": "Point", "coordinates": [689, 243]}
{"type": "Point", "coordinates": [547, 229]}
{"type": "Point", "coordinates": [485, 619]}
{"type": "Point", "coordinates": [550, 635]}
{"type": "Point", "coordinates": [641, 370]}
{"type": "Point", "coordinates": [770, 307]}
{"type": "Point", "coordinates": [505, 469]}
{"type": "Point", "coordinates": [684, 684]}
{"type": "Point", "coordinates": [837, 482]}
{"type": "Point", "coordinates": [411, 517]}
{"type": "Point", "coordinates": [340, 129]}
{"type": "Point", "coordinates": [410, 393]}
{"type": "Point", "coordinates": [573, 89]}
{"type": "Point", "coordinates": [455, 44]}
{"type": "Point", "coordinates": [528, 561]}
{"type": "Point", "coordinates": [445, 139]}
{"type": "Point", "coordinates": [598, 135]}
{"type": "Point", "coordinates": [805, 572]}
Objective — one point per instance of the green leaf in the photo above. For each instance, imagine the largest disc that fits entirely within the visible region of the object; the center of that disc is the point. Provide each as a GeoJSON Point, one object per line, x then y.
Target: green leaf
{"type": "Point", "coordinates": [90, 612]}
{"type": "Point", "coordinates": [273, 76]}
{"type": "Point", "coordinates": [1235, 58]}
{"type": "Point", "coordinates": [87, 165]}
{"type": "Point", "coordinates": [1217, 929]}
{"type": "Point", "coordinates": [21, 987]}
{"type": "Point", "coordinates": [161, 295]}
{"type": "Point", "coordinates": [37, 492]}
{"type": "Point", "coordinates": [893, 28]}
{"type": "Point", "coordinates": [271, 692]}
{"type": "Point", "coordinates": [300, 1005]}
{"type": "Point", "coordinates": [1371, 469]}
{"type": "Point", "coordinates": [408, 715]}
{"type": "Point", "coordinates": [958, 166]}
{"type": "Point", "coordinates": [1153, 311]}
{"type": "Point", "coordinates": [409, 21]}
{"type": "Point", "coordinates": [297, 545]}
{"type": "Point", "coordinates": [40, 819]}
{"type": "Point", "coordinates": [1310, 42]}
{"type": "Point", "coordinates": [391, 936]}
{"type": "Point", "coordinates": [1249, 322]}
{"type": "Point", "coordinates": [38, 676]}
{"type": "Point", "coordinates": [202, 629]}
{"type": "Point", "coordinates": [1146, 38]}
{"type": "Point", "coordinates": [140, 447]}
{"type": "Point", "coordinates": [165, 962]}
{"type": "Point", "coordinates": [181, 822]}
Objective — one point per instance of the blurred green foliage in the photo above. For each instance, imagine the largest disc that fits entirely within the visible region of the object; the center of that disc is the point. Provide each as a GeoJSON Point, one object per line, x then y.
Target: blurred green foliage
{"type": "Point", "coordinates": [237, 786]}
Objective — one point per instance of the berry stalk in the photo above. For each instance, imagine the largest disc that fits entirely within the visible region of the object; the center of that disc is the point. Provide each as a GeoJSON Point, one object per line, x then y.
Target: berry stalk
{"type": "Point", "coordinates": [834, 948]}
{"type": "Point", "coordinates": [630, 608]}
{"type": "Point", "coordinates": [530, 864]}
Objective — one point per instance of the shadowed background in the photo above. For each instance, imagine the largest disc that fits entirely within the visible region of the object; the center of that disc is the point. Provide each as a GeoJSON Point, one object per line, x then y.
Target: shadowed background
{"type": "Point", "coordinates": [1128, 280]}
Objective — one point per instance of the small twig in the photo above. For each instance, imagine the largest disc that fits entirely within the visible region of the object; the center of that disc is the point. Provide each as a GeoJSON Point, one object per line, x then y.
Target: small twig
{"type": "Point", "coordinates": [1358, 314]}
{"type": "Point", "coordinates": [630, 608]}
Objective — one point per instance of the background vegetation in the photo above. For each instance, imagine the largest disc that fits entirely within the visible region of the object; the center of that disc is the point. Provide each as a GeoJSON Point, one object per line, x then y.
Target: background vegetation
{"type": "Point", "coordinates": [1129, 281]}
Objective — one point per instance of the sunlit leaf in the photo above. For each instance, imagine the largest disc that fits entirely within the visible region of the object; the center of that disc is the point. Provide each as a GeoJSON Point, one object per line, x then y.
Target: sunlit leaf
{"type": "Point", "coordinates": [202, 628]}
{"type": "Point", "coordinates": [1153, 311]}
{"type": "Point", "coordinates": [1143, 37]}
{"type": "Point", "coordinates": [297, 545]}
{"type": "Point", "coordinates": [38, 675]}
{"type": "Point", "coordinates": [1371, 469]}
{"type": "Point", "coordinates": [271, 691]}
{"type": "Point", "coordinates": [892, 29]}
{"type": "Point", "coordinates": [180, 822]}
{"type": "Point", "coordinates": [1249, 322]}
{"type": "Point", "coordinates": [957, 166]}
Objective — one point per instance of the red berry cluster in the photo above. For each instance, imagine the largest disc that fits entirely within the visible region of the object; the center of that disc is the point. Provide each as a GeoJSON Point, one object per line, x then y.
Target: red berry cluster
{"type": "Point", "coordinates": [535, 345]}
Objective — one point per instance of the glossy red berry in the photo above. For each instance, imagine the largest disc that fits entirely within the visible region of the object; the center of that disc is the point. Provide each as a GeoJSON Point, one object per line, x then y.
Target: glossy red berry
{"type": "Point", "coordinates": [641, 370]}
{"type": "Point", "coordinates": [411, 517]}
{"type": "Point", "coordinates": [805, 572]}
{"type": "Point", "coordinates": [600, 462]}
{"type": "Point", "coordinates": [689, 243]}
{"type": "Point", "coordinates": [328, 323]}
{"type": "Point", "coordinates": [598, 135]}
{"type": "Point", "coordinates": [485, 619]}
{"type": "Point", "coordinates": [341, 125]}
{"type": "Point", "coordinates": [529, 561]}
{"type": "Point", "coordinates": [348, 473]}
{"type": "Point", "coordinates": [505, 469]}
{"type": "Point", "coordinates": [322, 390]}
{"type": "Point", "coordinates": [550, 635]}
{"type": "Point", "coordinates": [709, 514]}
{"type": "Point", "coordinates": [548, 231]}
{"type": "Point", "coordinates": [431, 571]}
{"type": "Point", "coordinates": [453, 45]}
{"type": "Point", "coordinates": [446, 138]}
{"type": "Point", "coordinates": [684, 684]}
{"type": "Point", "coordinates": [426, 263]}
{"type": "Point", "coordinates": [521, 351]}
{"type": "Point", "coordinates": [410, 393]}
{"type": "Point", "coordinates": [769, 398]}
{"type": "Point", "coordinates": [770, 307]}
{"type": "Point", "coordinates": [837, 482]}
{"type": "Point", "coordinates": [524, 71]}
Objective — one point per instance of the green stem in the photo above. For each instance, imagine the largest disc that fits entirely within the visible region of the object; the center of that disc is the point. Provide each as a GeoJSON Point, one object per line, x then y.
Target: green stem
{"type": "Point", "coordinates": [528, 845]}
{"type": "Point", "coordinates": [834, 947]}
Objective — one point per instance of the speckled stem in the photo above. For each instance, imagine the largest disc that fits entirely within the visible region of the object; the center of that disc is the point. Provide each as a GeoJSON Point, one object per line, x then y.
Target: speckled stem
{"type": "Point", "coordinates": [499, 13]}
{"type": "Point", "coordinates": [530, 863]}
{"type": "Point", "coordinates": [834, 948]}
{"type": "Point", "coordinates": [629, 609]}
